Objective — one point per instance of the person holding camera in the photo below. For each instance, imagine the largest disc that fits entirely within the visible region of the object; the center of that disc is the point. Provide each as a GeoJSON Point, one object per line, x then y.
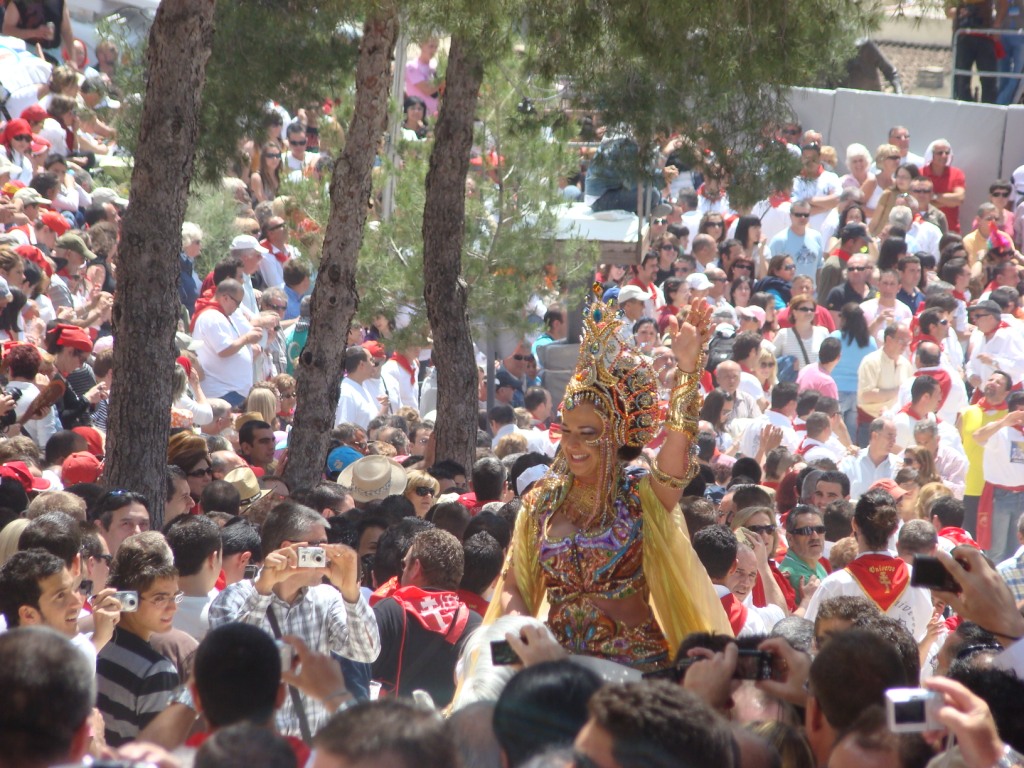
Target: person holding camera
{"type": "Point", "coordinates": [134, 681]}
{"type": "Point", "coordinates": [288, 598]}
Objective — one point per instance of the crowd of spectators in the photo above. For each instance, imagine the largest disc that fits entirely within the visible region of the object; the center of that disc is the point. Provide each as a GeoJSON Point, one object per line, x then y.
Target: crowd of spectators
{"type": "Point", "coordinates": [862, 409]}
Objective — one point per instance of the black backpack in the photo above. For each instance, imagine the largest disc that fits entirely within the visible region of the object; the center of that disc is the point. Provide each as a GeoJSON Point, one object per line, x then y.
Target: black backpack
{"type": "Point", "coordinates": [719, 349]}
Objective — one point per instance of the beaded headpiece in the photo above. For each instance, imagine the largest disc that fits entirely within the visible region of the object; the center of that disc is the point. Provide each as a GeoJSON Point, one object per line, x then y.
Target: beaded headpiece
{"type": "Point", "coordinates": [614, 377]}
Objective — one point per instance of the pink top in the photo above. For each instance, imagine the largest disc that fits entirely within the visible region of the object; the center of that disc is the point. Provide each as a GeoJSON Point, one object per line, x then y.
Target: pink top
{"type": "Point", "coordinates": [417, 73]}
{"type": "Point", "coordinates": [812, 377]}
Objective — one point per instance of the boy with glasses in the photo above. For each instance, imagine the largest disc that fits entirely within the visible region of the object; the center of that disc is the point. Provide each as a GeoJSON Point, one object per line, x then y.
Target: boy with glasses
{"type": "Point", "coordinates": [134, 681]}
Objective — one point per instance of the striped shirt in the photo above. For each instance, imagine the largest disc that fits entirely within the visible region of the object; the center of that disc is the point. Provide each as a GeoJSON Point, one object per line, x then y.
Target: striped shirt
{"type": "Point", "coordinates": [134, 684]}
{"type": "Point", "coordinates": [319, 615]}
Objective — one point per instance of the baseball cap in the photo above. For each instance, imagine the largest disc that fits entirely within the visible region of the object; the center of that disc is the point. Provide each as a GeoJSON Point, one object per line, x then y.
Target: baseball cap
{"type": "Point", "coordinates": [375, 348]}
{"type": "Point", "coordinates": [29, 196]}
{"type": "Point", "coordinates": [854, 230]}
{"type": "Point", "coordinates": [987, 306]}
{"type": "Point", "coordinates": [73, 242]}
{"type": "Point", "coordinates": [55, 221]}
{"type": "Point", "coordinates": [80, 467]}
{"type": "Point", "coordinates": [752, 313]}
{"type": "Point", "coordinates": [34, 113]}
{"type": "Point", "coordinates": [890, 486]}
{"type": "Point", "coordinates": [632, 293]}
{"type": "Point", "coordinates": [698, 281]}
{"type": "Point", "coordinates": [18, 470]}
{"type": "Point", "coordinates": [108, 195]}
{"type": "Point", "coordinates": [247, 242]}
{"type": "Point", "coordinates": [503, 378]}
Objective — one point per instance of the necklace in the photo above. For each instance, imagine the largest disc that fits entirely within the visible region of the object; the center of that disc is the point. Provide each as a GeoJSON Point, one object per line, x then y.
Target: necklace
{"type": "Point", "coordinates": [582, 507]}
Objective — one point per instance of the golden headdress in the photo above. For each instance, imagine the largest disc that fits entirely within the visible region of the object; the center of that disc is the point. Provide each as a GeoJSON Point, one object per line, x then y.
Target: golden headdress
{"type": "Point", "coordinates": [614, 377]}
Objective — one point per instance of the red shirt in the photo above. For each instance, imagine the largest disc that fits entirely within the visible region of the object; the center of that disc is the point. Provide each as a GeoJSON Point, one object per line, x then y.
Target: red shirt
{"type": "Point", "coordinates": [947, 181]}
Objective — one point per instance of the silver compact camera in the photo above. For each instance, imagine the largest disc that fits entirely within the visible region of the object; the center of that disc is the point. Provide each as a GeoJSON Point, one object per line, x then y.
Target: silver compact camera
{"type": "Point", "coordinates": [312, 557]}
{"type": "Point", "coordinates": [912, 710]}
{"type": "Point", "coordinates": [129, 600]}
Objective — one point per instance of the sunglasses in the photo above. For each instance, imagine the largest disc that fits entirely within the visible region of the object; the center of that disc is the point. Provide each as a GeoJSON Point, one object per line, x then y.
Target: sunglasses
{"type": "Point", "coordinates": [805, 309]}
{"type": "Point", "coordinates": [789, 267]}
{"type": "Point", "coordinates": [668, 247]}
{"type": "Point", "coordinates": [424, 490]}
{"type": "Point", "coordinates": [892, 157]}
{"type": "Point", "coordinates": [287, 395]}
{"type": "Point", "coordinates": [807, 530]}
{"type": "Point", "coordinates": [294, 143]}
{"type": "Point", "coordinates": [276, 226]}
{"type": "Point", "coordinates": [23, 137]}
{"type": "Point", "coordinates": [661, 222]}
{"type": "Point", "coordinates": [278, 307]}
{"type": "Point", "coordinates": [919, 191]}
{"type": "Point", "coordinates": [801, 215]}
{"type": "Point", "coordinates": [273, 155]}
{"type": "Point", "coordinates": [742, 265]}
{"type": "Point", "coordinates": [792, 132]}
{"type": "Point", "coordinates": [768, 364]}
{"type": "Point", "coordinates": [522, 358]}
{"type": "Point", "coordinates": [201, 472]}
{"type": "Point", "coordinates": [715, 224]}
{"type": "Point", "coordinates": [856, 269]}
{"type": "Point", "coordinates": [762, 528]}
{"type": "Point", "coordinates": [945, 322]}
{"type": "Point", "coordinates": [999, 194]}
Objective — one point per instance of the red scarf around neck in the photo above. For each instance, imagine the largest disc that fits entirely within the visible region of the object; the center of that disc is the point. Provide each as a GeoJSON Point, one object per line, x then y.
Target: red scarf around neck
{"type": "Point", "coordinates": [736, 611]}
{"type": "Point", "coordinates": [988, 407]}
{"type": "Point", "coordinates": [440, 612]}
{"type": "Point", "coordinates": [882, 578]}
{"type": "Point", "coordinates": [907, 409]}
{"type": "Point", "coordinates": [920, 338]}
{"type": "Point", "coordinates": [204, 303]}
{"type": "Point", "coordinates": [405, 365]}
{"type": "Point", "coordinates": [281, 256]}
{"type": "Point", "coordinates": [1002, 324]}
{"type": "Point", "coordinates": [944, 380]}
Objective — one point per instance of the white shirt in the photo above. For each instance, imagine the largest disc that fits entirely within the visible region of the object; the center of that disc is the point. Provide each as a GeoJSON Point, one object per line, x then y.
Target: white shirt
{"type": "Point", "coordinates": [750, 385]}
{"type": "Point", "coordinates": [193, 615]}
{"type": "Point", "coordinates": [773, 219]}
{"type": "Point", "coordinates": [1005, 346]}
{"type": "Point", "coordinates": [408, 391]}
{"type": "Point", "coordinates": [863, 472]}
{"type": "Point", "coordinates": [355, 406]}
{"type": "Point", "coordinates": [905, 424]}
{"type": "Point", "coordinates": [955, 402]}
{"type": "Point", "coordinates": [223, 374]}
{"type": "Point", "coordinates": [536, 440]}
{"type": "Point", "coordinates": [927, 236]}
{"type": "Point", "coordinates": [1004, 458]}
{"type": "Point", "coordinates": [751, 438]}
{"type": "Point", "coordinates": [770, 614]}
{"type": "Point", "coordinates": [827, 183]}
{"type": "Point", "coordinates": [913, 609]}
{"type": "Point", "coordinates": [385, 385]}
{"type": "Point", "coordinates": [901, 315]}
{"type": "Point", "coordinates": [754, 624]}
{"type": "Point", "coordinates": [817, 450]}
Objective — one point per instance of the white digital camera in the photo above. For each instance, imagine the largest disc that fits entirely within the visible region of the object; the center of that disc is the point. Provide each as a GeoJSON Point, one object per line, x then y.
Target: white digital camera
{"type": "Point", "coordinates": [312, 557]}
{"type": "Point", "coordinates": [912, 710]}
{"type": "Point", "coordinates": [129, 600]}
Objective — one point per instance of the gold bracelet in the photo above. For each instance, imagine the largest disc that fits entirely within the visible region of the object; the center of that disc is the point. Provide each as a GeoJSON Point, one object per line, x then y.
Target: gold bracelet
{"type": "Point", "coordinates": [698, 368]}
{"type": "Point", "coordinates": [684, 409]}
{"type": "Point", "coordinates": [675, 483]}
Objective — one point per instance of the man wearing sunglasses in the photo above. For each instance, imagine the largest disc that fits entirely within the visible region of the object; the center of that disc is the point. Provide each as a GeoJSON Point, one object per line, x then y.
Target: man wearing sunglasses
{"type": "Point", "coordinates": [798, 241]}
{"type": "Point", "coordinates": [853, 238]}
{"type": "Point", "coordinates": [995, 345]}
{"type": "Point", "coordinates": [855, 288]}
{"type": "Point", "coordinates": [297, 161]}
{"type": "Point", "coordinates": [803, 566]}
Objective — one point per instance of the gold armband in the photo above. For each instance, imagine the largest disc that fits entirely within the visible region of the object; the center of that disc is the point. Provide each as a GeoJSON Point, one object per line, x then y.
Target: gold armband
{"type": "Point", "coordinates": [684, 406]}
{"type": "Point", "coordinates": [675, 483]}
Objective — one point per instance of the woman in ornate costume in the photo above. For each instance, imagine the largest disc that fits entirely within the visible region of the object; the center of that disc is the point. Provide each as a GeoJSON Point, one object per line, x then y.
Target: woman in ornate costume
{"type": "Point", "coordinates": [605, 545]}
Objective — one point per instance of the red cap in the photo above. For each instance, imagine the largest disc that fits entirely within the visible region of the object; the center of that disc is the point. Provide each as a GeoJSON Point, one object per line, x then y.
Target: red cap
{"type": "Point", "coordinates": [72, 336]}
{"type": "Point", "coordinates": [18, 470]}
{"type": "Point", "coordinates": [93, 439]}
{"type": "Point", "coordinates": [33, 254]}
{"type": "Point", "coordinates": [886, 484]}
{"type": "Point", "coordinates": [33, 114]}
{"type": "Point", "coordinates": [55, 221]}
{"type": "Point", "coordinates": [39, 144]}
{"type": "Point", "coordinates": [185, 363]}
{"type": "Point", "coordinates": [80, 467]}
{"type": "Point", "coordinates": [375, 348]}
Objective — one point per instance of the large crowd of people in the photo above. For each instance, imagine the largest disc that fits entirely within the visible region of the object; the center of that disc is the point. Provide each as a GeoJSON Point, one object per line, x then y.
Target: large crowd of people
{"type": "Point", "coordinates": [718, 545]}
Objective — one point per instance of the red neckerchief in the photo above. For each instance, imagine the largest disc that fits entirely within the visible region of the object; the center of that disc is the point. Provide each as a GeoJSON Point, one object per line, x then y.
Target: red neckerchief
{"type": "Point", "coordinates": [736, 611]}
{"type": "Point", "coordinates": [907, 410]}
{"type": "Point", "coordinates": [805, 175]}
{"type": "Point", "coordinates": [474, 601]}
{"type": "Point", "coordinates": [959, 296]}
{"type": "Point", "coordinates": [222, 581]}
{"type": "Point", "coordinates": [746, 370]}
{"type": "Point", "coordinates": [405, 365]}
{"type": "Point", "coordinates": [942, 377]}
{"type": "Point", "coordinates": [918, 218]}
{"type": "Point", "coordinates": [992, 286]}
{"type": "Point", "coordinates": [801, 427]}
{"type": "Point", "coordinates": [387, 589]}
{"type": "Point", "coordinates": [922, 337]}
{"type": "Point", "coordinates": [881, 577]}
{"type": "Point", "coordinates": [988, 407]}
{"type": "Point", "coordinates": [804, 447]}
{"type": "Point", "coordinates": [1002, 324]}
{"type": "Point", "coordinates": [700, 191]}
{"type": "Point", "coordinates": [440, 612]}
{"type": "Point", "coordinates": [204, 303]}
{"type": "Point", "coordinates": [300, 749]}
{"type": "Point", "coordinates": [760, 600]}
{"type": "Point", "coordinates": [958, 536]}
{"type": "Point", "coordinates": [69, 133]}
{"type": "Point", "coordinates": [843, 255]}
{"type": "Point", "coordinates": [281, 256]}
{"type": "Point", "coordinates": [778, 198]}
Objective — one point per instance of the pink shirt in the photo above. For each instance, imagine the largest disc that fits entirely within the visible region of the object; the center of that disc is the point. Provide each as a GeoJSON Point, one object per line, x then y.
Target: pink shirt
{"type": "Point", "coordinates": [812, 377]}
{"type": "Point", "coordinates": [417, 73]}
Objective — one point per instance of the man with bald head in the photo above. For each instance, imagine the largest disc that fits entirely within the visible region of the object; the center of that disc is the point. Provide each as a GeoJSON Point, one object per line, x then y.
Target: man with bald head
{"type": "Point", "coordinates": [704, 250]}
{"type": "Point", "coordinates": [222, 462]}
{"type": "Point", "coordinates": [727, 374]}
{"type": "Point", "coordinates": [953, 397]}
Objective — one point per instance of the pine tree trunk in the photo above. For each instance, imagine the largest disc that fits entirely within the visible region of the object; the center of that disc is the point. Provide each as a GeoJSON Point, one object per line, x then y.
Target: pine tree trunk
{"type": "Point", "coordinates": [334, 299]}
{"type": "Point", "coordinates": [146, 303]}
{"type": "Point", "coordinates": [443, 233]}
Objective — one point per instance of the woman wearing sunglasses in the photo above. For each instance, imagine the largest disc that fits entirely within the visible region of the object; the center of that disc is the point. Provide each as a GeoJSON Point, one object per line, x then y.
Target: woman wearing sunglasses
{"type": "Point", "coordinates": [802, 340]}
{"type": "Point", "coordinates": [772, 586]}
{"type": "Point", "coordinates": [17, 147]}
{"type": "Point", "coordinates": [188, 452]}
{"type": "Point", "coordinates": [422, 490]}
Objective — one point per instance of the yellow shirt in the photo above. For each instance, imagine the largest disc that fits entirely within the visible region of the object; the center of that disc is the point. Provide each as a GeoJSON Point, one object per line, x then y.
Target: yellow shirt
{"type": "Point", "coordinates": [972, 418]}
{"type": "Point", "coordinates": [878, 370]}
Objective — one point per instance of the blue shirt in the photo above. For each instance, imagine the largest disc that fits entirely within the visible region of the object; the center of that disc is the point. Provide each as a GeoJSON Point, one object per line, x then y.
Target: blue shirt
{"type": "Point", "coordinates": [294, 300]}
{"type": "Point", "coordinates": [912, 300]}
{"type": "Point", "coordinates": [805, 251]}
{"type": "Point", "coordinates": [845, 372]}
